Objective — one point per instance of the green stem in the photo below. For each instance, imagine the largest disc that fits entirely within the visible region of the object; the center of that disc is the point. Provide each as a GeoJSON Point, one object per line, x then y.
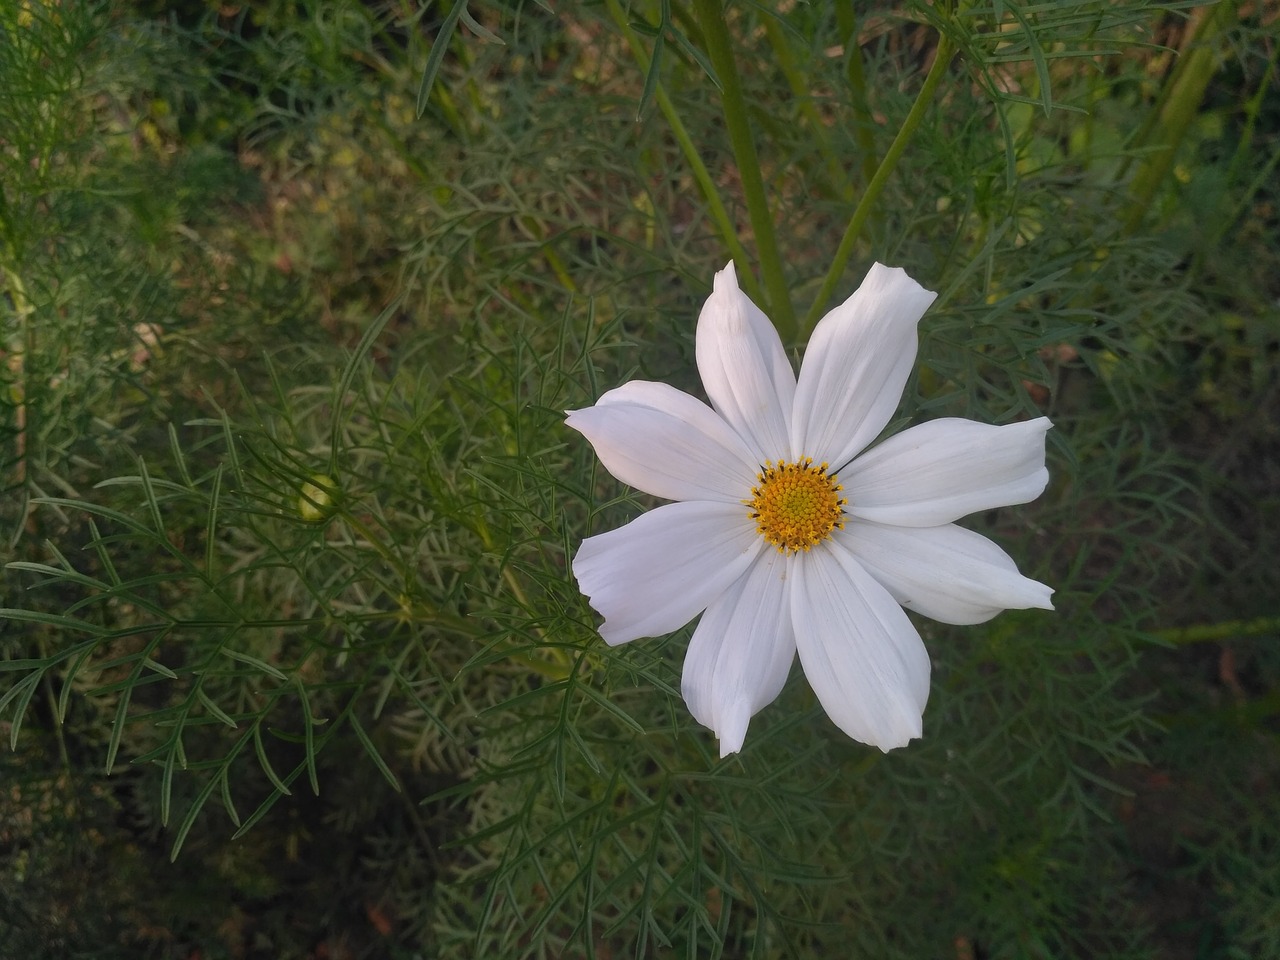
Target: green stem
{"type": "Point", "coordinates": [11, 284]}
{"type": "Point", "coordinates": [841, 260]}
{"type": "Point", "coordinates": [1186, 89]}
{"type": "Point", "coordinates": [863, 125]}
{"type": "Point", "coordinates": [715, 206]}
{"type": "Point", "coordinates": [59, 726]}
{"type": "Point", "coordinates": [1210, 632]}
{"type": "Point", "coordinates": [801, 93]}
{"type": "Point", "coordinates": [720, 50]}
{"type": "Point", "coordinates": [1252, 111]}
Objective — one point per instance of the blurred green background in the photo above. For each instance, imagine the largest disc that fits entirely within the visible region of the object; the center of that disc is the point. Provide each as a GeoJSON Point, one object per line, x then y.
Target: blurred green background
{"type": "Point", "coordinates": [294, 295]}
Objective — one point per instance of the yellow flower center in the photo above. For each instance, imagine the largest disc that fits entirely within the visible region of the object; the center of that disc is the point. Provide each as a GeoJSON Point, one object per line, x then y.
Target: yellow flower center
{"type": "Point", "coordinates": [796, 505]}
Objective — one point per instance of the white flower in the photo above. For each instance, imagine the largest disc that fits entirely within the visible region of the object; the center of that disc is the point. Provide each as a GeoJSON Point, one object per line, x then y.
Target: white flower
{"type": "Point", "coordinates": [785, 535]}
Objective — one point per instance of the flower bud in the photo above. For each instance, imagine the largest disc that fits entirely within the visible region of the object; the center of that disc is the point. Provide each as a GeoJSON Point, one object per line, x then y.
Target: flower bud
{"type": "Point", "coordinates": [317, 498]}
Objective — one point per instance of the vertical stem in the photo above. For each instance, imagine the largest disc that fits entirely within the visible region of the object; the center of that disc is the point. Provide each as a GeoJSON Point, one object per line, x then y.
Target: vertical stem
{"type": "Point", "coordinates": [1213, 632]}
{"type": "Point", "coordinates": [1262, 177]}
{"type": "Point", "coordinates": [1252, 110]}
{"type": "Point", "coordinates": [1186, 87]}
{"type": "Point", "coordinates": [720, 50]}
{"type": "Point", "coordinates": [847, 21]}
{"type": "Point", "coordinates": [877, 184]}
{"type": "Point", "coordinates": [715, 206]}
{"type": "Point", "coordinates": [798, 82]}
{"type": "Point", "coordinates": [11, 284]}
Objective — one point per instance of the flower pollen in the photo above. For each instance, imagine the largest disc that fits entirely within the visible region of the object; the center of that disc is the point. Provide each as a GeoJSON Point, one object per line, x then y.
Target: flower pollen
{"type": "Point", "coordinates": [796, 505]}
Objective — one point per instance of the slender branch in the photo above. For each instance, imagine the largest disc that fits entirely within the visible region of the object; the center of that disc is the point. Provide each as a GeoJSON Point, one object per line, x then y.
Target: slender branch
{"type": "Point", "coordinates": [877, 184]}
{"type": "Point", "coordinates": [715, 206]}
{"type": "Point", "coordinates": [1213, 632]}
{"type": "Point", "coordinates": [720, 50]}
{"type": "Point", "coordinates": [1186, 88]}
{"type": "Point", "coordinates": [801, 92]}
{"type": "Point", "coordinates": [847, 20]}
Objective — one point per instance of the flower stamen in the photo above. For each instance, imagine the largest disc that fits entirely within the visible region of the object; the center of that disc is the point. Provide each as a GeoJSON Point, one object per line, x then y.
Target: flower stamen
{"type": "Point", "coordinates": [796, 505]}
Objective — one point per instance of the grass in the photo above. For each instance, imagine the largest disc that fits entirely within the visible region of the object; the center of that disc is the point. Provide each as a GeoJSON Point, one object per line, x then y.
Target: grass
{"type": "Point", "coordinates": [294, 297]}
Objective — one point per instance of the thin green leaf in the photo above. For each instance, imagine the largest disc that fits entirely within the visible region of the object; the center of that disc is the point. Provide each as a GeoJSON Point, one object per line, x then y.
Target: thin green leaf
{"type": "Point", "coordinates": [227, 802]}
{"type": "Point", "coordinates": [1037, 56]}
{"type": "Point", "coordinates": [252, 661]}
{"type": "Point", "coordinates": [51, 620]}
{"type": "Point", "coordinates": [373, 753]}
{"type": "Point", "coordinates": [354, 364]}
{"type": "Point", "coordinates": [58, 574]}
{"type": "Point", "coordinates": [188, 821]}
{"type": "Point", "coordinates": [309, 736]}
{"type": "Point", "coordinates": [104, 556]}
{"type": "Point", "coordinates": [21, 692]}
{"type": "Point", "coordinates": [479, 29]}
{"type": "Point", "coordinates": [178, 459]}
{"type": "Point", "coordinates": [211, 526]}
{"type": "Point", "coordinates": [166, 778]}
{"type": "Point", "coordinates": [438, 50]}
{"type": "Point", "coordinates": [651, 77]}
{"type": "Point", "coordinates": [270, 801]}
{"type": "Point", "coordinates": [214, 709]}
{"type": "Point", "coordinates": [159, 668]}
{"type": "Point", "coordinates": [85, 649]}
{"type": "Point", "coordinates": [265, 763]}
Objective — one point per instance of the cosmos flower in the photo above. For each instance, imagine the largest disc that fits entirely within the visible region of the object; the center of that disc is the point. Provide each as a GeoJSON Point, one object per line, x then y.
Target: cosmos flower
{"type": "Point", "coordinates": [786, 533]}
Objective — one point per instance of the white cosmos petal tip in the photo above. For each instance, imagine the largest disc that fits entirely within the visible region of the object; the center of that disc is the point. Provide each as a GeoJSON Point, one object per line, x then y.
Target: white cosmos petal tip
{"type": "Point", "coordinates": [741, 652]}
{"type": "Point", "coordinates": [941, 470]}
{"type": "Point", "coordinates": [744, 369]}
{"type": "Point", "coordinates": [947, 573]}
{"type": "Point", "coordinates": [661, 440]}
{"type": "Point", "coordinates": [659, 571]}
{"type": "Point", "coordinates": [856, 366]}
{"type": "Point", "coordinates": [863, 658]}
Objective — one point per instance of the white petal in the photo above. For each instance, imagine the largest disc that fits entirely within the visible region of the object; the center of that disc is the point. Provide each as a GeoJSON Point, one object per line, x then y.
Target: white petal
{"type": "Point", "coordinates": [740, 654]}
{"type": "Point", "coordinates": [947, 573]}
{"type": "Point", "coordinates": [661, 440]}
{"type": "Point", "coordinates": [861, 654]}
{"type": "Point", "coordinates": [945, 469]}
{"type": "Point", "coordinates": [661, 570]}
{"type": "Point", "coordinates": [856, 365]}
{"type": "Point", "coordinates": [744, 368]}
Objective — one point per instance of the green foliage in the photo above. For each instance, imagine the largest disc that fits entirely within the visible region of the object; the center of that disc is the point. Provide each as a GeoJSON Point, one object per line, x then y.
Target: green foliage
{"type": "Point", "coordinates": [294, 296]}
